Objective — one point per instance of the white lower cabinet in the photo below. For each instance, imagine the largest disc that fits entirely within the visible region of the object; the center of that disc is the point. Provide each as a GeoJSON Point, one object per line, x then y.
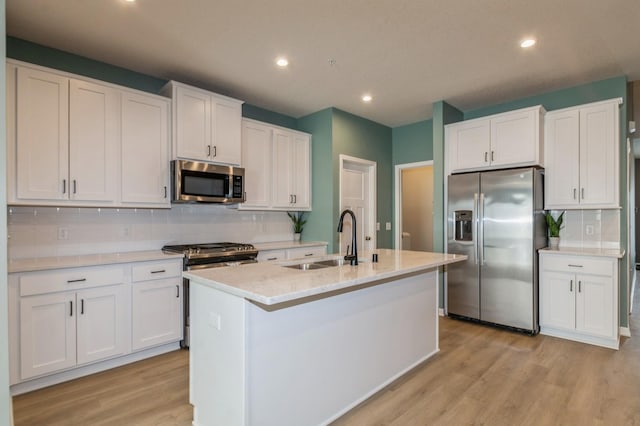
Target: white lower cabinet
{"type": "Point", "coordinates": [156, 304]}
{"type": "Point", "coordinates": [291, 253]}
{"type": "Point", "coordinates": [579, 298]}
{"type": "Point", "coordinates": [61, 330]}
{"type": "Point", "coordinates": [63, 319]}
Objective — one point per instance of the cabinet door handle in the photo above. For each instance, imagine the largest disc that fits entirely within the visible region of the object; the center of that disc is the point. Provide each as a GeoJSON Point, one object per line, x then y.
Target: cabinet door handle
{"type": "Point", "coordinates": [579, 286]}
{"type": "Point", "coordinates": [75, 186]}
{"type": "Point", "coordinates": [81, 306]}
{"type": "Point", "coordinates": [491, 155]}
{"type": "Point", "coordinates": [159, 271]}
{"type": "Point", "coordinates": [215, 150]}
{"type": "Point", "coordinates": [208, 150]}
{"type": "Point", "coordinates": [177, 291]}
{"type": "Point", "coordinates": [582, 192]}
{"type": "Point", "coordinates": [574, 193]}
{"type": "Point", "coordinates": [70, 308]}
{"type": "Point", "coordinates": [574, 266]}
{"type": "Point", "coordinates": [571, 285]}
{"type": "Point", "coordinates": [79, 280]}
{"type": "Point", "coordinates": [64, 186]}
{"type": "Point", "coordinates": [295, 199]}
{"type": "Point", "coordinates": [165, 191]}
{"type": "Point", "coordinates": [485, 156]}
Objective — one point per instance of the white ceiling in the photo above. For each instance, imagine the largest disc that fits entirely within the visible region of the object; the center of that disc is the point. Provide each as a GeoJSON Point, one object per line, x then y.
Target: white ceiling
{"type": "Point", "coordinates": [406, 53]}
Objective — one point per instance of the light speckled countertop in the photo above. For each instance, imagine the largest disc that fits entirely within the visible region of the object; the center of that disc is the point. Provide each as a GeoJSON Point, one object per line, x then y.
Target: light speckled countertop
{"type": "Point", "coordinates": [585, 251]}
{"type": "Point", "coordinates": [59, 262]}
{"type": "Point", "coordinates": [271, 283]}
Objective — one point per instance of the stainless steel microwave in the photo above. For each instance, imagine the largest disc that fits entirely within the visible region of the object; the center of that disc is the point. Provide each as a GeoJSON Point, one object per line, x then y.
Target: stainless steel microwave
{"type": "Point", "coordinates": [199, 182]}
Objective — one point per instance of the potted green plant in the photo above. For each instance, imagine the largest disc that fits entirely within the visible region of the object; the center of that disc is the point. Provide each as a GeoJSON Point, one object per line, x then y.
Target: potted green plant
{"type": "Point", "coordinates": [554, 226]}
{"type": "Point", "coordinates": [298, 223]}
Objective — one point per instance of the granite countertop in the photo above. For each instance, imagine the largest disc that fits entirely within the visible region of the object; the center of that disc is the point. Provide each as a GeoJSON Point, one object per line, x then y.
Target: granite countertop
{"type": "Point", "coordinates": [271, 283]}
{"type": "Point", "coordinates": [585, 251]}
{"type": "Point", "coordinates": [59, 262]}
{"type": "Point", "coordinates": [281, 245]}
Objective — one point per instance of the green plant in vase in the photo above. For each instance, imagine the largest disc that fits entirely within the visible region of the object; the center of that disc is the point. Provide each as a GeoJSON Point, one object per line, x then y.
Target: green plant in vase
{"type": "Point", "coordinates": [298, 223]}
{"type": "Point", "coordinates": [554, 226]}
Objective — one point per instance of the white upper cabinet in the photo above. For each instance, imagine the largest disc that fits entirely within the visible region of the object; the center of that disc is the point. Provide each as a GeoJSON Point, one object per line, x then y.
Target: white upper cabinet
{"type": "Point", "coordinates": [42, 134]}
{"type": "Point", "coordinates": [145, 151]}
{"type": "Point", "coordinates": [582, 157]}
{"type": "Point", "coordinates": [277, 163]}
{"type": "Point", "coordinates": [73, 141]}
{"type": "Point", "coordinates": [503, 140]}
{"type": "Point", "coordinates": [206, 126]}
{"type": "Point", "coordinates": [256, 160]}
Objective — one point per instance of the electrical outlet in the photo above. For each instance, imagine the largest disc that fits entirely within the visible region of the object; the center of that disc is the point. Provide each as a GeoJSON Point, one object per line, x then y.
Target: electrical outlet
{"type": "Point", "coordinates": [589, 229]}
{"type": "Point", "coordinates": [63, 233]}
{"type": "Point", "coordinates": [388, 226]}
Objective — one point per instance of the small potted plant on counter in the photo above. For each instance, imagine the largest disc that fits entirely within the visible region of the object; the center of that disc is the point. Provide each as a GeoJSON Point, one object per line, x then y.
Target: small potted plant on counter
{"type": "Point", "coordinates": [298, 223]}
{"type": "Point", "coordinates": [554, 226]}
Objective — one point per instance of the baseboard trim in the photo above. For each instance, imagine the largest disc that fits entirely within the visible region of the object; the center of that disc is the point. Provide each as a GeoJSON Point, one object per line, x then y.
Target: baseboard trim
{"type": "Point", "coordinates": [74, 373]}
{"type": "Point", "coordinates": [441, 312]}
{"type": "Point", "coordinates": [625, 331]}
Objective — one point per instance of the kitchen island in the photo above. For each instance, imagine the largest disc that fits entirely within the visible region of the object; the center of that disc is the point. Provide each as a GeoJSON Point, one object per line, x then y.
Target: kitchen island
{"type": "Point", "coordinates": [275, 345]}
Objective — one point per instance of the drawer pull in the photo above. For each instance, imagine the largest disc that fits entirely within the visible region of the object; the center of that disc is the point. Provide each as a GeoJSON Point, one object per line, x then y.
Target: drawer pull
{"type": "Point", "coordinates": [77, 281]}
{"type": "Point", "coordinates": [309, 254]}
{"type": "Point", "coordinates": [159, 271]}
{"type": "Point", "coordinates": [575, 266]}
{"type": "Point", "coordinates": [272, 258]}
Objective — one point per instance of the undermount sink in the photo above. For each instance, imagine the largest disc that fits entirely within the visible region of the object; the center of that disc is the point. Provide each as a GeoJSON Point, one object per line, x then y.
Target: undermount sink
{"type": "Point", "coordinates": [320, 264]}
{"type": "Point", "coordinates": [306, 266]}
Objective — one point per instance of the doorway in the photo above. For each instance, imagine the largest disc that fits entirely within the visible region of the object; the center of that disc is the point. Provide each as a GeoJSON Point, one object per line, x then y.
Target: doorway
{"type": "Point", "coordinates": [414, 206]}
{"type": "Point", "coordinates": [358, 194]}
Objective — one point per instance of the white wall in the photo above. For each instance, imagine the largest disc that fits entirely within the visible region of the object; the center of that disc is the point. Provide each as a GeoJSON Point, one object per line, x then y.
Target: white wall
{"type": "Point", "coordinates": [36, 231]}
{"type": "Point", "coordinates": [5, 399]}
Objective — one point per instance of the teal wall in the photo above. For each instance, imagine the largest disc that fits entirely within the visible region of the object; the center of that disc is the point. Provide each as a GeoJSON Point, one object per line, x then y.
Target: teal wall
{"type": "Point", "coordinates": [319, 225]}
{"type": "Point", "coordinates": [412, 143]}
{"type": "Point", "coordinates": [5, 399]}
{"type": "Point", "coordinates": [261, 114]}
{"type": "Point", "coordinates": [358, 137]}
{"type": "Point", "coordinates": [26, 51]}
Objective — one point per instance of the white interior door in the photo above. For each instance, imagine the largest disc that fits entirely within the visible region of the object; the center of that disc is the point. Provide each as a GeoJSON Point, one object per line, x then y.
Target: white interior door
{"type": "Point", "coordinates": [414, 206]}
{"type": "Point", "coordinates": [358, 193]}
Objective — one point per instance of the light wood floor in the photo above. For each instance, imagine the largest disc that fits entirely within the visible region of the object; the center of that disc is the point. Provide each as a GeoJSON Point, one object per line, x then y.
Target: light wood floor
{"type": "Point", "coordinates": [482, 375]}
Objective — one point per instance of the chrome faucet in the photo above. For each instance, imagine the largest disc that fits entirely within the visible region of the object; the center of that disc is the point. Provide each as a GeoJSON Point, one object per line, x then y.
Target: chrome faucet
{"type": "Point", "coordinates": [353, 257]}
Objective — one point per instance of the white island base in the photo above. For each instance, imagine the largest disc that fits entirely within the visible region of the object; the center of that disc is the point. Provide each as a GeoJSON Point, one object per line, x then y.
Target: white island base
{"type": "Point", "coordinates": [308, 361]}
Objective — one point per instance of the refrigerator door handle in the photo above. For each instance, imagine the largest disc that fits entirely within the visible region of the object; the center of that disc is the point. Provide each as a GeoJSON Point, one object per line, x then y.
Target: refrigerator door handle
{"type": "Point", "coordinates": [475, 226]}
{"type": "Point", "coordinates": [481, 228]}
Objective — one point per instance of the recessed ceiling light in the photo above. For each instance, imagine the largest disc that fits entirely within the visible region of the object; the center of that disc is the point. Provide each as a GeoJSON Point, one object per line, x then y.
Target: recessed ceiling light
{"type": "Point", "coordinates": [282, 62]}
{"type": "Point", "coordinates": [129, 1]}
{"type": "Point", "coordinates": [367, 98]}
{"type": "Point", "coordinates": [527, 42]}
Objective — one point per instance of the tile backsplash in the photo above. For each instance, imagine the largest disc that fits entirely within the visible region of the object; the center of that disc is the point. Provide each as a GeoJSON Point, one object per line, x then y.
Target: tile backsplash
{"type": "Point", "coordinates": [590, 228]}
{"type": "Point", "coordinates": [66, 231]}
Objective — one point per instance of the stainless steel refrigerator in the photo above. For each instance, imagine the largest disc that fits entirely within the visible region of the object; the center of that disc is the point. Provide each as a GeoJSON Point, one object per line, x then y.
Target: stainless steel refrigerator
{"type": "Point", "coordinates": [496, 218]}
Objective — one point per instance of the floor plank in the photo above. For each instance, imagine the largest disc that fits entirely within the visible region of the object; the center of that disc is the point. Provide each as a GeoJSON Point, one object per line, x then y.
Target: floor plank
{"type": "Point", "coordinates": [482, 375]}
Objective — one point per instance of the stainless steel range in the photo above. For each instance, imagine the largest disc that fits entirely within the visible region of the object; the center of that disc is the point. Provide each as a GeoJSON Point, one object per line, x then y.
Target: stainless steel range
{"type": "Point", "coordinates": [210, 255]}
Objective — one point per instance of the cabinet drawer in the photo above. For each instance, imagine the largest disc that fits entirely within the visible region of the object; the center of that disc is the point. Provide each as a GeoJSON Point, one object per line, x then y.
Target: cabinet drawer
{"type": "Point", "coordinates": [69, 279]}
{"type": "Point", "coordinates": [579, 265]}
{"type": "Point", "coordinates": [272, 255]}
{"type": "Point", "coordinates": [156, 270]}
{"type": "Point", "coordinates": [306, 252]}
